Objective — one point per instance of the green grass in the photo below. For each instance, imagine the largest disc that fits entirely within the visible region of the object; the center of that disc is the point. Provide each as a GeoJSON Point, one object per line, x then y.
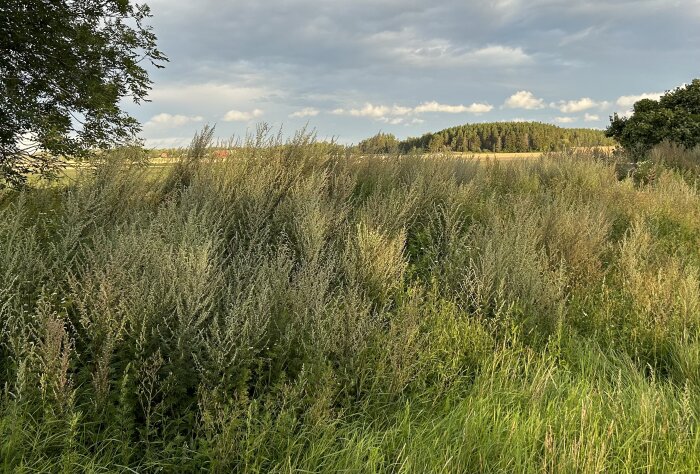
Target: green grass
{"type": "Point", "coordinates": [294, 309]}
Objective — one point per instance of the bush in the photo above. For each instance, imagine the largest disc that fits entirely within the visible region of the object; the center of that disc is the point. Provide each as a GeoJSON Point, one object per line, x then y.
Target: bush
{"type": "Point", "coordinates": [290, 308]}
{"type": "Point", "coordinates": [675, 117]}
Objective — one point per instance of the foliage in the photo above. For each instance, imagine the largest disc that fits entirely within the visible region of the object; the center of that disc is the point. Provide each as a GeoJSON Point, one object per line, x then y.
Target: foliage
{"type": "Point", "coordinates": [289, 308]}
{"type": "Point", "coordinates": [675, 117]}
{"type": "Point", "coordinates": [511, 137]}
{"type": "Point", "coordinates": [66, 65]}
{"type": "Point", "coordinates": [384, 143]}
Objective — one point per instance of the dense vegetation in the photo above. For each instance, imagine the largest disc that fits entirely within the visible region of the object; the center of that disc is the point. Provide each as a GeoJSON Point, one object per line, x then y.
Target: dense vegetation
{"type": "Point", "coordinates": [510, 137]}
{"type": "Point", "coordinates": [675, 118]}
{"type": "Point", "coordinates": [65, 68]}
{"type": "Point", "coordinates": [288, 309]}
{"type": "Point", "coordinates": [381, 143]}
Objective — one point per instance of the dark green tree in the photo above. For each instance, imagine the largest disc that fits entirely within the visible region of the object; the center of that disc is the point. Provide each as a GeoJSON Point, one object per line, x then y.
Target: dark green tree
{"type": "Point", "coordinates": [436, 144]}
{"type": "Point", "coordinates": [65, 65]}
{"type": "Point", "coordinates": [675, 117]}
{"type": "Point", "coordinates": [380, 143]}
{"type": "Point", "coordinates": [507, 136]}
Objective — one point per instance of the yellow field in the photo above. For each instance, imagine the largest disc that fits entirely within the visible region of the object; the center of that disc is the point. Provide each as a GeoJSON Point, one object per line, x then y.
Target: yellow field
{"type": "Point", "coordinates": [162, 159]}
{"type": "Point", "coordinates": [530, 155]}
{"type": "Point", "coordinates": [497, 156]}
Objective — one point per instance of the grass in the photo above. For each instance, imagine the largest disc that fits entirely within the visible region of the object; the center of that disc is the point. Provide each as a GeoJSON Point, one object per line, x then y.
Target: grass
{"type": "Point", "coordinates": [291, 308]}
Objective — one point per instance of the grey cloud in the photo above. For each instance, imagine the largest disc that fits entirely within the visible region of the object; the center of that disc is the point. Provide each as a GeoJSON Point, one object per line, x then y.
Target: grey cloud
{"type": "Point", "coordinates": [283, 56]}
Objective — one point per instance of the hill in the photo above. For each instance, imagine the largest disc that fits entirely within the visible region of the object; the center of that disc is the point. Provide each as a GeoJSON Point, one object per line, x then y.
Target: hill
{"type": "Point", "coordinates": [495, 137]}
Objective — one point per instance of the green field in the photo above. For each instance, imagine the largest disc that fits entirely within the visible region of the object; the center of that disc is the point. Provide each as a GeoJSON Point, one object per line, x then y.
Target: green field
{"type": "Point", "coordinates": [295, 309]}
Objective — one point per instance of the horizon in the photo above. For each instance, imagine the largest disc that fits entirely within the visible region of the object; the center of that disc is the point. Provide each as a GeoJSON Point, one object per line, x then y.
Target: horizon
{"type": "Point", "coordinates": [235, 140]}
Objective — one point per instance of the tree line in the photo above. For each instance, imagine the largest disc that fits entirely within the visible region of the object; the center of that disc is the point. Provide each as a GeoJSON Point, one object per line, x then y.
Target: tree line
{"type": "Point", "coordinates": [496, 137]}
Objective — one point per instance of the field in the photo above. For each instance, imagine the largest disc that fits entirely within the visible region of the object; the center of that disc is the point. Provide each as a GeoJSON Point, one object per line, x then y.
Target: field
{"type": "Point", "coordinates": [159, 161]}
{"type": "Point", "coordinates": [599, 150]}
{"type": "Point", "coordinates": [292, 308]}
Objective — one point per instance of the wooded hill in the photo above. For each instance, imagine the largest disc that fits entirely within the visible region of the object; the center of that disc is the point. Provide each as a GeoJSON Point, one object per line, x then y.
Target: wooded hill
{"type": "Point", "coordinates": [510, 137]}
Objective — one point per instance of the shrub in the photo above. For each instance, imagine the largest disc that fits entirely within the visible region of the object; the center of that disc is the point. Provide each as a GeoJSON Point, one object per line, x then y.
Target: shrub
{"type": "Point", "coordinates": [288, 307]}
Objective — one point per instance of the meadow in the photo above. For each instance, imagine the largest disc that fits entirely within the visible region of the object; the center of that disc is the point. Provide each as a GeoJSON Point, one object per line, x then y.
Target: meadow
{"type": "Point", "coordinates": [293, 307]}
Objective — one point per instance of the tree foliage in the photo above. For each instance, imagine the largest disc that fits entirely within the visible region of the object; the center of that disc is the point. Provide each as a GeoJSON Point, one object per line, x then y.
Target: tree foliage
{"type": "Point", "coordinates": [675, 117]}
{"type": "Point", "coordinates": [65, 66]}
{"type": "Point", "coordinates": [380, 143]}
{"type": "Point", "coordinates": [512, 137]}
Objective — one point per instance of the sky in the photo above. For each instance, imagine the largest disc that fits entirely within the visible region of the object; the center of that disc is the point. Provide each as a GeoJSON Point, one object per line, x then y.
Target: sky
{"type": "Point", "coordinates": [351, 68]}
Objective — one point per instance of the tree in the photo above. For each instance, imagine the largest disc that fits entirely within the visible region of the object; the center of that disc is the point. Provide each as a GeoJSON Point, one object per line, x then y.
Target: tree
{"type": "Point", "coordinates": [674, 117]}
{"type": "Point", "coordinates": [506, 136]}
{"type": "Point", "coordinates": [436, 144]}
{"type": "Point", "coordinates": [380, 143]}
{"type": "Point", "coordinates": [65, 65]}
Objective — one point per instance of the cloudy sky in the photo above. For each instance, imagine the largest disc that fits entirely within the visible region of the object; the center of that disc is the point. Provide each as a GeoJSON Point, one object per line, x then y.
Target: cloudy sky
{"type": "Point", "coordinates": [353, 68]}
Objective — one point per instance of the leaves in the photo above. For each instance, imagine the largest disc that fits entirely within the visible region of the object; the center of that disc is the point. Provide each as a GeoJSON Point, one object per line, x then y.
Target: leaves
{"type": "Point", "coordinates": [510, 137]}
{"type": "Point", "coordinates": [66, 65]}
{"type": "Point", "coordinates": [674, 117]}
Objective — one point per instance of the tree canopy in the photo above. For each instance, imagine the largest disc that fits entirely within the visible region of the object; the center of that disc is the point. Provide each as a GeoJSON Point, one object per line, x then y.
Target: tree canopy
{"type": "Point", "coordinates": [65, 65]}
{"type": "Point", "coordinates": [514, 137]}
{"type": "Point", "coordinates": [380, 143]}
{"type": "Point", "coordinates": [675, 117]}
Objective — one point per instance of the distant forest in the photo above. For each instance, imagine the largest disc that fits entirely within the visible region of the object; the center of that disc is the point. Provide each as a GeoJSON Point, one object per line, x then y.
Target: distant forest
{"type": "Point", "coordinates": [508, 137]}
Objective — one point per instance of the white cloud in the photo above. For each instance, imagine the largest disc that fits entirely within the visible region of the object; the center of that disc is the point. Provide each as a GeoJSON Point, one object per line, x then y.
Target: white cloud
{"type": "Point", "coordinates": [368, 110]}
{"type": "Point", "coordinates": [590, 117]}
{"type": "Point", "coordinates": [375, 111]}
{"type": "Point", "coordinates": [565, 119]}
{"type": "Point", "coordinates": [483, 108]}
{"type": "Point", "coordinates": [240, 116]}
{"type": "Point", "coordinates": [524, 100]}
{"type": "Point", "coordinates": [452, 109]}
{"type": "Point", "coordinates": [305, 112]}
{"type": "Point", "coordinates": [517, 119]}
{"type": "Point", "coordinates": [573, 106]}
{"type": "Point", "coordinates": [627, 101]}
{"type": "Point", "coordinates": [390, 114]}
{"type": "Point", "coordinates": [169, 121]}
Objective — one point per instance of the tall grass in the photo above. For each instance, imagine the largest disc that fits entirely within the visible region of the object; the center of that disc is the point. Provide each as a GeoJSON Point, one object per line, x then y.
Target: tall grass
{"type": "Point", "coordinates": [292, 308]}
